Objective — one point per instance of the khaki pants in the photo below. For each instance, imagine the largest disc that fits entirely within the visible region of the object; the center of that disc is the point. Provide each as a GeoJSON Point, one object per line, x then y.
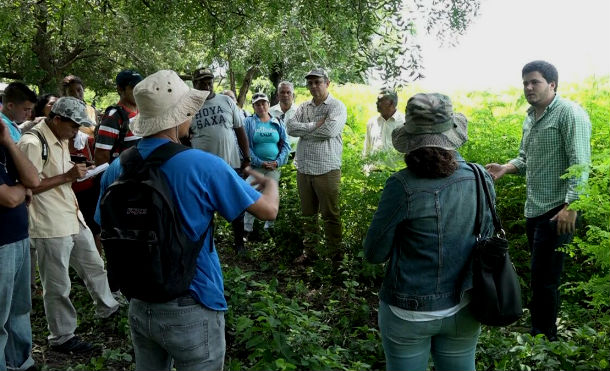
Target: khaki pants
{"type": "Point", "coordinates": [55, 256]}
{"type": "Point", "coordinates": [320, 194]}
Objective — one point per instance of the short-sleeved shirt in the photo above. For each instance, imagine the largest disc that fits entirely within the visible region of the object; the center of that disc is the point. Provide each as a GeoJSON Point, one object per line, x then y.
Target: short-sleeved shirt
{"type": "Point", "coordinates": [13, 220]}
{"type": "Point", "coordinates": [55, 212]}
{"type": "Point", "coordinates": [213, 129]}
{"type": "Point", "coordinates": [201, 184]}
{"type": "Point", "coordinates": [12, 127]}
{"type": "Point", "coordinates": [108, 132]}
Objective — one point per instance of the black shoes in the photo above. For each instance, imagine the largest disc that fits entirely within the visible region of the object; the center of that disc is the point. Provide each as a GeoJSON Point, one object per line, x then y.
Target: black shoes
{"type": "Point", "coordinates": [74, 345]}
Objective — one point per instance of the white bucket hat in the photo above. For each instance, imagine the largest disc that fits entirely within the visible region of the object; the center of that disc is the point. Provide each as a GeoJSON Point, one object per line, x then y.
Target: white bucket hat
{"type": "Point", "coordinates": [164, 101]}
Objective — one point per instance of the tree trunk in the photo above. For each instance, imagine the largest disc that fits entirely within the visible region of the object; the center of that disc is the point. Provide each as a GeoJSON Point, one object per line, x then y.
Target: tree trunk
{"type": "Point", "coordinates": [245, 85]}
{"type": "Point", "coordinates": [276, 75]}
{"type": "Point", "coordinates": [41, 49]}
{"type": "Point", "coordinates": [231, 73]}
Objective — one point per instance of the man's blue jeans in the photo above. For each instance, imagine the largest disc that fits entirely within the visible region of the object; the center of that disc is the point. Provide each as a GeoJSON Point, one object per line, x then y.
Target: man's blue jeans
{"type": "Point", "coordinates": [181, 331]}
{"type": "Point", "coordinates": [547, 265]}
{"type": "Point", "coordinates": [451, 341]}
{"type": "Point", "coordinates": [15, 306]}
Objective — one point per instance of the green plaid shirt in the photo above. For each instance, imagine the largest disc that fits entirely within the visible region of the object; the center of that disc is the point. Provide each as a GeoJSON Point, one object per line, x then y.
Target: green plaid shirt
{"type": "Point", "coordinates": [559, 139]}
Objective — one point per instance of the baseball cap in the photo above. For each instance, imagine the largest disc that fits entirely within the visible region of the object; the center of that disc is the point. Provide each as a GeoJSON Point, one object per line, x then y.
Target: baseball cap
{"type": "Point", "coordinates": [317, 72]}
{"type": "Point", "coordinates": [202, 73]}
{"type": "Point", "coordinates": [259, 96]}
{"type": "Point", "coordinates": [73, 109]}
{"type": "Point", "coordinates": [128, 78]}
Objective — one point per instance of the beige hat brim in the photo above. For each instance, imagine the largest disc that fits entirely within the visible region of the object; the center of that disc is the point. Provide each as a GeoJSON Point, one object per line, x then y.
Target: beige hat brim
{"type": "Point", "coordinates": [451, 139]}
{"type": "Point", "coordinates": [186, 108]}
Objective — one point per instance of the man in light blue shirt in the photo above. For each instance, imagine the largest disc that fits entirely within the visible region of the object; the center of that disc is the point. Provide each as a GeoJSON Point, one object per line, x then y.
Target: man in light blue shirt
{"type": "Point", "coordinates": [17, 104]}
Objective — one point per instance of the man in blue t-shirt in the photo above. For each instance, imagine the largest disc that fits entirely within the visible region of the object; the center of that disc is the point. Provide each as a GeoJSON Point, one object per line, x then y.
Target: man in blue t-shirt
{"type": "Point", "coordinates": [17, 177]}
{"type": "Point", "coordinates": [17, 104]}
{"type": "Point", "coordinates": [189, 330]}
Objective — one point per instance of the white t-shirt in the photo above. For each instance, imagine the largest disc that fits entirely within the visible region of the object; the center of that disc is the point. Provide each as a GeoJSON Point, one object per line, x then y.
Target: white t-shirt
{"type": "Point", "coordinates": [213, 128]}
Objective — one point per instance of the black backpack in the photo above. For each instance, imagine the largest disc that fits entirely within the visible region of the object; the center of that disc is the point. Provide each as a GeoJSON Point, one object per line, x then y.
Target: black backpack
{"type": "Point", "coordinates": [148, 253]}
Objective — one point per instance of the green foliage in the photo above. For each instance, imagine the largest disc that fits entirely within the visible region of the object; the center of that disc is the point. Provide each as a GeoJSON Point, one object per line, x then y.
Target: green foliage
{"type": "Point", "coordinates": [593, 204]}
{"type": "Point", "coordinates": [42, 41]}
{"type": "Point", "coordinates": [273, 331]}
{"type": "Point", "coordinates": [584, 346]}
{"type": "Point", "coordinates": [318, 317]}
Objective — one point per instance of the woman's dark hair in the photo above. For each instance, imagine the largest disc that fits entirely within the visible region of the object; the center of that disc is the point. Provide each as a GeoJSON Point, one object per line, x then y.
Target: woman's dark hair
{"type": "Point", "coordinates": [67, 81]}
{"type": "Point", "coordinates": [431, 162]}
{"type": "Point", "coordinates": [41, 102]}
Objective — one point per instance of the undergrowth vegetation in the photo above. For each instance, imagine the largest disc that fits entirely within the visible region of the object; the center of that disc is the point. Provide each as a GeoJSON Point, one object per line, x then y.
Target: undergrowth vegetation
{"type": "Point", "coordinates": [283, 317]}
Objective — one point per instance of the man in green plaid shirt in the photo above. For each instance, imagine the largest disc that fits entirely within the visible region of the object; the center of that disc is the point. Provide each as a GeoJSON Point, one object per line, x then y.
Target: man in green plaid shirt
{"type": "Point", "coordinates": [556, 135]}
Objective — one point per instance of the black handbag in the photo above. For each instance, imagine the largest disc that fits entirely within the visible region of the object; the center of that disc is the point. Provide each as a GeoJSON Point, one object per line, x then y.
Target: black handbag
{"type": "Point", "coordinates": [496, 293]}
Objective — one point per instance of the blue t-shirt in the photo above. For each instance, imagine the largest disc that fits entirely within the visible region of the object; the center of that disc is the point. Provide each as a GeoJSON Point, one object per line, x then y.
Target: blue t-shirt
{"type": "Point", "coordinates": [201, 183]}
{"type": "Point", "coordinates": [265, 140]}
{"type": "Point", "coordinates": [14, 130]}
{"type": "Point", "coordinates": [13, 221]}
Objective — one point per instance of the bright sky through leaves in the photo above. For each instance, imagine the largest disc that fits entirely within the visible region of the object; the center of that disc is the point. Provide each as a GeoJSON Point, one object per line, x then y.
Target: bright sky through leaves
{"type": "Point", "coordinates": [573, 35]}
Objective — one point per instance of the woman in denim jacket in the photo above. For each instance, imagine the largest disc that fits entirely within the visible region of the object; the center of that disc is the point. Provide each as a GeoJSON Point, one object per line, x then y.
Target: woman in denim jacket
{"type": "Point", "coordinates": [269, 149]}
{"type": "Point", "coordinates": [424, 225]}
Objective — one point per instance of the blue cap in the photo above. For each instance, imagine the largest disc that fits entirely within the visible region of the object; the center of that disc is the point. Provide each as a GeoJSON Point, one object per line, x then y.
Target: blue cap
{"type": "Point", "coordinates": [128, 78]}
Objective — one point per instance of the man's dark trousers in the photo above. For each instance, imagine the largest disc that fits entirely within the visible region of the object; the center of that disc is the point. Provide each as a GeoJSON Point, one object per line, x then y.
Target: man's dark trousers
{"type": "Point", "coordinates": [546, 268]}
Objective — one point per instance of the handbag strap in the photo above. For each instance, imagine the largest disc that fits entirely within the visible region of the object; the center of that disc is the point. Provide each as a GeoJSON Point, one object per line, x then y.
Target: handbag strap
{"type": "Point", "coordinates": [482, 185]}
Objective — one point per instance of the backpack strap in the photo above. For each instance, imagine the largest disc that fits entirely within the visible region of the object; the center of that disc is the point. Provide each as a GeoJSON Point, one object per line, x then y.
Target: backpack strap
{"type": "Point", "coordinates": [45, 145]}
{"type": "Point", "coordinates": [123, 127]}
{"type": "Point", "coordinates": [157, 158]}
{"type": "Point", "coordinates": [133, 165]}
{"type": "Point", "coordinates": [163, 153]}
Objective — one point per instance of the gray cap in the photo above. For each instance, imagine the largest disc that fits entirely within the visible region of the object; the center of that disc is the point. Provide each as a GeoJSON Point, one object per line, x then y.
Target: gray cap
{"type": "Point", "coordinates": [317, 72]}
{"type": "Point", "coordinates": [202, 73]}
{"type": "Point", "coordinates": [73, 109]}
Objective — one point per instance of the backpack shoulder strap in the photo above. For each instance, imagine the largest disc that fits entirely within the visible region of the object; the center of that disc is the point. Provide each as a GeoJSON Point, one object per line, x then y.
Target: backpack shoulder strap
{"type": "Point", "coordinates": [45, 145]}
{"type": "Point", "coordinates": [133, 164]}
{"type": "Point", "coordinates": [158, 157]}
{"type": "Point", "coordinates": [163, 153]}
{"type": "Point", "coordinates": [123, 126]}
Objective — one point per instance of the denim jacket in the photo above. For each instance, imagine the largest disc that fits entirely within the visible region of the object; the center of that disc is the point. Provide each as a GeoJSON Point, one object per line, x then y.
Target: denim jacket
{"type": "Point", "coordinates": [250, 124]}
{"type": "Point", "coordinates": [425, 227]}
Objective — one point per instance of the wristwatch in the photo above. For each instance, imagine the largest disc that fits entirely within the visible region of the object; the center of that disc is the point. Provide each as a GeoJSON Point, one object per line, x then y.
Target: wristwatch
{"type": "Point", "coordinates": [247, 159]}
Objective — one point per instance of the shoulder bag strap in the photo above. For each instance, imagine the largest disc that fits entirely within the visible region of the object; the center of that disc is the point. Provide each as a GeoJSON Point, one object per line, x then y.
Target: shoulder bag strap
{"type": "Point", "coordinates": [479, 216]}
{"type": "Point", "coordinates": [492, 208]}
